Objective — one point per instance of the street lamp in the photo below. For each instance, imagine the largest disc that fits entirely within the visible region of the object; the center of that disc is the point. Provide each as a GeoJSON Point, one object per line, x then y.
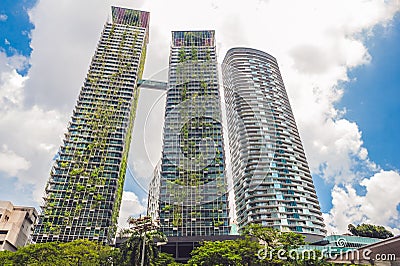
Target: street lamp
{"type": "Point", "coordinates": [142, 225]}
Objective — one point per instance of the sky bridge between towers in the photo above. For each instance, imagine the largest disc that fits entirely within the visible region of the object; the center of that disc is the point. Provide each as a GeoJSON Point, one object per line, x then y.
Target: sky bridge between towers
{"type": "Point", "coordinates": [153, 84]}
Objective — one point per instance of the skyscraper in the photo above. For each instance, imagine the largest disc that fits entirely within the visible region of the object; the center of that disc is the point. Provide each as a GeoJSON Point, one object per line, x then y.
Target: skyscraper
{"type": "Point", "coordinates": [189, 186]}
{"type": "Point", "coordinates": [83, 194]}
{"type": "Point", "coordinates": [272, 182]}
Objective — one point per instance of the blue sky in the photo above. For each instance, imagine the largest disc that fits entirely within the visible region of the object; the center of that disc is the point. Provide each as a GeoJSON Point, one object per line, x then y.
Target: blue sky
{"type": "Point", "coordinates": [342, 62]}
{"type": "Point", "coordinates": [373, 99]}
{"type": "Point", "coordinates": [16, 27]}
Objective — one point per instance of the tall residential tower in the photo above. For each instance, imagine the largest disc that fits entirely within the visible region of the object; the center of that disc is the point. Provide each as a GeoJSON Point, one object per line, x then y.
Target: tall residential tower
{"type": "Point", "coordinates": [189, 191]}
{"type": "Point", "coordinates": [83, 194]}
{"type": "Point", "coordinates": [272, 182]}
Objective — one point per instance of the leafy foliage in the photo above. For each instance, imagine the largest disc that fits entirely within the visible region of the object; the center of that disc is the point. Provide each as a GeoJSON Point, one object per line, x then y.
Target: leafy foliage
{"type": "Point", "coordinates": [78, 252]}
{"type": "Point", "coordinates": [239, 252]}
{"type": "Point", "coordinates": [370, 230]}
{"type": "Point", "coordinates": [88, 253]}
{"type": "Point", "coordinates": [216, 253]}
{"type": "Point", "coordinates": [165, 259]}
{"type": "Point", "coordinates": [246, 250]}
{"type": "Point", "coordinates": [131, 250]}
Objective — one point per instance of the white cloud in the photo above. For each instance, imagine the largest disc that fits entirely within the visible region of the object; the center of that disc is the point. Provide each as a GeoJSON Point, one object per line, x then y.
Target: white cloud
{"type": "Point", "coordinates": [35, 135]}
{"type": "Point", "coordinates": [11, 83]}
{"type": "Point", "coordinates": [11, 163]}
{"type": "Point", "coordinates": [10, 90]}
{"type": "Point", "coordinates": [130, 207]}
{"type": "Point", "coordinates": [63, 42]}
{"type": "Point", "coordinates": [29, 136]}
{"type": "Point", "coordinates": [382, 198]}
{"type": "Point", "coordinates": [378, 206]}
{"type": "Point", "coordinates": [3, 17]}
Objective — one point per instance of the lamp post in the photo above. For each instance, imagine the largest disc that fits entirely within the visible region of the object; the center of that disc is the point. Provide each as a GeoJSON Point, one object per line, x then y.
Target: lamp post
{"type": "Point", "coordinates": [144, 246]}
{"type": "Point", "coordinates": [142, 225]}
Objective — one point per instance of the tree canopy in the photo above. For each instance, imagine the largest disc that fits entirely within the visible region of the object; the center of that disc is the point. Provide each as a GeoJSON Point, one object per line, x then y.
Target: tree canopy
{"type": "Point", "coordinates": [165, 259]}
{"type": "Point", "coordinates": [87, 253]}
{"type": "Point", "coordinates": [370, 230]}
{"type": "Point", "coordinates": [258, 245]}
{"type": "Point", "coordinates": [78, 252]}
{"type": "Point", "coordinates": [131, 250]}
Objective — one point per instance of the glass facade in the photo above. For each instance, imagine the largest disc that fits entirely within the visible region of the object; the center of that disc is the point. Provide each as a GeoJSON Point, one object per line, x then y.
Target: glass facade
{"type": "Point", "coordinates": [190, 186]}
{"type": "Point", "coordinates": [272, 182]}
{"type": "Point", "coordinates": [84, 191]}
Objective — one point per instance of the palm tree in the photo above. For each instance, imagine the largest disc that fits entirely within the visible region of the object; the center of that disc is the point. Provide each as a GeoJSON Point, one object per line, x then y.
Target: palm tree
{"type": "Point", "coordinates": [132, 249]}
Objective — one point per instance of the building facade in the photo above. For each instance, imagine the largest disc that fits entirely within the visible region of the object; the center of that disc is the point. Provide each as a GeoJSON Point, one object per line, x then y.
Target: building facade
{"type": "Point", "coordinates": [16, 225]}
{"type": "Point", "coordinates": [84, 191]}
{"type": "Point", "coordinates": [153, 201]}
{"type": "Point", "coordinates": [190, 185]}
{"type": "Point", "coordinates": [272, 181]}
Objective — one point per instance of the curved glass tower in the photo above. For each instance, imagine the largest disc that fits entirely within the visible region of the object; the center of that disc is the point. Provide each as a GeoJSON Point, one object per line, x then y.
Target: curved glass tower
{"type": "Point", "coordinates": [272, 182]}
{"type": "Point", "coordinates": [84, 191]}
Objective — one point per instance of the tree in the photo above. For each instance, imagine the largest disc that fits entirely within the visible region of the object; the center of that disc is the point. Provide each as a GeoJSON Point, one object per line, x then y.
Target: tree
{"type": "Point", "coordinates": [78, 252]}
{"type": "Point", "coordinates": [290, 240]}
{"type": "Point", "coordinates": [258, 245]}
{"type": "Point", "coordinates": [142, 233]}
{"type": "Point", "coordinates": [165, 259]}
{"type": "Point", "coordinates": [370, 230]}
{"type": "Point", "coordinates": [85, 252]}
{"type": "Point", "coordinates": [41, 254]}
{"type": "Point", "coordinates": [216, 253]}
{"type": "Point", "coordinates": [269, 236]}
{"type": "Point", "coordinates": [248, 250]}
{"type": "Point", "coordinates": [131, 249]}
{"type": "Point", "coordinates": [5, 257]}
